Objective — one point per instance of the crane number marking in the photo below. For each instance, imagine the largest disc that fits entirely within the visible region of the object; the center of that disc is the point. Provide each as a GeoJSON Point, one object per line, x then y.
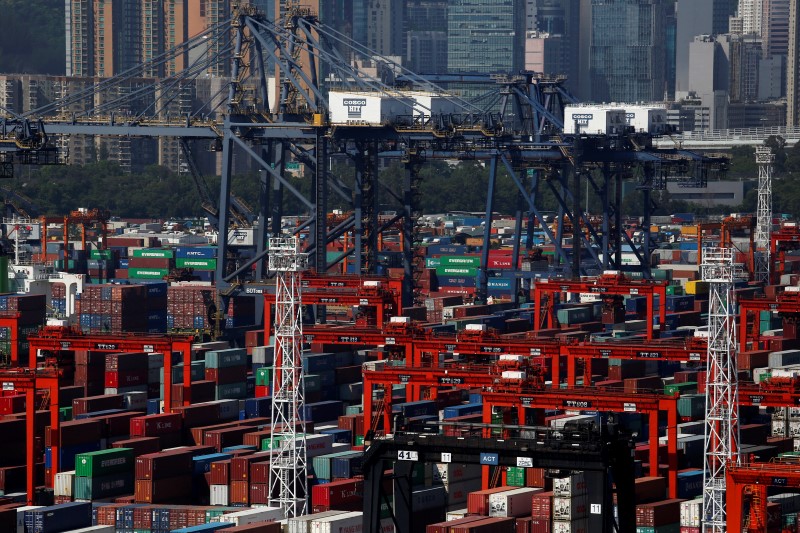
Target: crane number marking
{"type": "Point", "coordinates": [405, 455]}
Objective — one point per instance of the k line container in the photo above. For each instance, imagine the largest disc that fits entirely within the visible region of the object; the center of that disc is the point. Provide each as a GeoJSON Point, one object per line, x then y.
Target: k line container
{"type": "Point", "coordinates": [341, 523]}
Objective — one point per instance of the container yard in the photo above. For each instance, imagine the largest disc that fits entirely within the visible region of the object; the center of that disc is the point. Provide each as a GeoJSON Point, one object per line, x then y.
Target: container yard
{"type": "Point", "coordinates": [106, 430]}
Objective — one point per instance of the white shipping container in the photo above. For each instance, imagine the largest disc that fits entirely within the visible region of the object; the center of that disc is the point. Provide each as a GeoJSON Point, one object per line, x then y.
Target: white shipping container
{"type": "Point", "coordinates": [251, 516]}
{"type": "Point", "coordinates": [446, 473]}
{"type": "Point", "coordinates": [302, 524]}
{"type": "Point", "coordinates": [367, 107]}
{"type": "Point", "coordinates": [576, 526]}
{"type": "Point", "coordinates": [513, 374]}
{"type": "Point", "coordinates": [516, 502]}
{"type": "Point", "coordinates": [93, 529]}
{"type": "Point", "coordinates": [457, 491]}
{"type": "Point", "coordinates": [375, 365]}
{"type": "Point", "coordinates": [317, 445]}
{"type": "Point", "coordinates": [570, 509]}
{"type": "Point", "coordinates": [21, 516]}
{"type": "Point", "coordinates": [594, 120]}
{"type": "Point", "coordinates": [794, 428]}
{"type": "Point", "coordinates": [263, 355]}
{"type": "Point", "coordinates": [64, 484]}
{"type": "Point", "coordinates": [455, 515]}
{"type": "Point", "coordinates": [135, 401]}
{"type": "Point", "coordinates": [343, 523]}
{"type": "Point", "coordinates": [691, 513]}
{"type": "Point", "coordinates": [779, 428]}
{"type": "Point", "coordinates": [570, 486]}
{"type": "Point", "coordinates": [219, 495]}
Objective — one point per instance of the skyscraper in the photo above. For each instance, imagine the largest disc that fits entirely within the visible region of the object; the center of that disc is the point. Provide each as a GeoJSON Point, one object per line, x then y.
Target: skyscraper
{"type": "Point", "coordinates": [107, 37]}
{"type": "Point", "coordinates": [775, 27]}
{"type": "Point", "coordinates": [693, 19]}
{"type": "Point", "coordinates": [626, 61]}
{"type": "Point", "coordinates": [553, 37]}
{"type": "Point", "coordinates": [426, 36]}
{"type": "Point", "coordinates": [485, 36]}
{"type": "Point", "coordinates": [792, 73]}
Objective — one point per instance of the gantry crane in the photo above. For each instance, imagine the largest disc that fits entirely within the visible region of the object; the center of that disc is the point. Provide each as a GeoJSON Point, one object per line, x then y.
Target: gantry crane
{"type": "Point", "coordinates": [615, 283]}
{"type": "Point", "coordinates": [28, 381]}
{"type": "Point", "coordinates": [50, 340]}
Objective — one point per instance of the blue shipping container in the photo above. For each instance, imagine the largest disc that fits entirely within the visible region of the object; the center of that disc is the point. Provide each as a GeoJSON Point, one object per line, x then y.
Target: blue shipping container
{"type": "Point", "coordinates": [63, 517]}
{"type": "Point", "coordinates": [202, 463]}
{"type": "Point", "coordinates": [340, 436]}
{"type": "Point", "coordinates": [196, 252]}
{"type": "Point", "coordinates": [348, 466]}
{"type": "Point", "coordinates": [463, 410]}
{"type": "Point", "coordinates": [419, 408]}
{"type": "Point", "coordinates": [258, 407]}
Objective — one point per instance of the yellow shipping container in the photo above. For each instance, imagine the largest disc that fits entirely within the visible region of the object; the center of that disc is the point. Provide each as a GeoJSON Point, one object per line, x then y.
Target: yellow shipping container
{"type": "Point", "coordinates": [696, 287]}
{"type": "Point", "coordinates": [690, 231]}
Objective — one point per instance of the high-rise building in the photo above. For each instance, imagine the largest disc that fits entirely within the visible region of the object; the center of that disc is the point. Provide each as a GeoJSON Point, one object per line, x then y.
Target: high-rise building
{"type": "Point", "coordinates": [485, 36]}
{"type": "Point", "coordinates": [553, 30]}
{"type": "Point", "coordinates": [792, 71]}
{"type": "Point", "coordinates": [693, 19]}
{"type": "Point", "coordinates": [426, 36]}
{"type": "Point", "coordinates": [775, 27]}
{"type": "Point", "coordinates": [385, 26]}
{"type": "Point", "coordinates": [107, 37]}
{"type": "Point", "coordinates": [626, 61]}
{"type": "Point", "coordinates": [750, 12]}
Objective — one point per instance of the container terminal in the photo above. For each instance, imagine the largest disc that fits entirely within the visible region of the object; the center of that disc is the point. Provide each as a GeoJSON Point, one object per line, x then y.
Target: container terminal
{"type": "Point", "coordinates": [373, 370]}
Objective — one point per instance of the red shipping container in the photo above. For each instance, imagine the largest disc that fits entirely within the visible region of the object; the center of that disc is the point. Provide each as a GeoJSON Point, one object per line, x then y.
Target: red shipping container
{"type": "Point", "coordinates": [139, 445]}
{"type": "Point", "coordinates": [542, 505]}
{"type": "Point", "coordinates": [222, 438]}
{"type": "Point", "coordinates": [201, 391]}
{"type": "Point", "coordinates": [262, 391]}
{"type": "Point", "coordinates": [478, 501]}
{"type": "Point", "coordinates": [444, 527]}
{"type": "Point", "coordinates": [487, 525]}
{"type": "Point", "coordinates": [650, 489]}
{"type": "Point", "coordinates": [259, 494]}
{"type": "Point", "coordinates": [77, 432]}
{"type": "Point", "coordinates": [337, 493]}
{"type": "Point", "coordinates": [166, 464]}
{"type": "Point", "coordinates": [687, 529]}
{"type": "Point", "coordinates": [163, 490]}
{"type": "Point", "coordinates": [156, 425]}
{"type": "Point", "coordinates": [126, 361]}
{"type": "Point", "coordinates": [125, 378]}
{"type": "Point", "coordinates": [149, 262]}
{"type": "Point", "coordinates": [92, 404]}
{"type": "Point", "coordinates": [239, 493]}
{"type": "Point", "coordinates": [259, 472]}
{"type": "Point", "coordinates": [197, 415]}
{"type": "Point", "coordinates": [240, 466]}
{"type": "Point", "coordinates": [12, 404]}
{"type": "Point", "coordinates": [223, 376]}
{"type": "Point", "coordinates": [118, 424]}
{"type": "Point", "coordinates": [643, 384]}
{"type": "Point", "coordinates": [658, 513]}
{"type": "Point", "coordinates": [220, 472]}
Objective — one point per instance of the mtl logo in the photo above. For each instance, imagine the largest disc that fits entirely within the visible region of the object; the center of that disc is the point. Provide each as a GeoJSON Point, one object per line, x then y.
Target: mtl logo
{"type": "Point", "coordinates": [354, 106]}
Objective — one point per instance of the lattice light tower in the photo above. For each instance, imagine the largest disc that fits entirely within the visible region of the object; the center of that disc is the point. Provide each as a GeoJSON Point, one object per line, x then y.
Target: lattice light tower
{"type": "Point", "coordinates": [722, 387]}
{"type": "Point", "coordinates": [761, 240]}
{"type": "Point", "coordinates": [288, 482]}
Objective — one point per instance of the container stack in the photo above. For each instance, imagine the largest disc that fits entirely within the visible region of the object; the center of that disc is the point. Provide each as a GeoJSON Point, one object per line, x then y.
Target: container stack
{"type": "Point", "coordinates": [126, 372]}
{"type": "Point", "coordinates": [228, 370]}
{"type": "Point", "coordinates": [570, 504]}
{"type": "Point", "coordinates": [112, 308]}
{"type": "Point", "coordinates": [164, 477]}
{"type": "Point", "coordinates": [202, 260]}
{"type": "Point", "coordinates": [103, 474]}
{"type": "Point", "coordinates": [150, 263]}
{"type": "Point", "coordinates": [659, 516]}
{"type": "Point", "coordinates": [156, 306]}
{"type": "Point", "coordinates": [189, 306]}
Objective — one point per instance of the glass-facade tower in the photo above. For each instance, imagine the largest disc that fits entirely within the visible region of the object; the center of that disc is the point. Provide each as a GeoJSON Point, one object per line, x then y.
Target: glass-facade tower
{"type": "Point", "coordinates": [485, 36]}
{"type": "Point", "coordinates": [626, 62]}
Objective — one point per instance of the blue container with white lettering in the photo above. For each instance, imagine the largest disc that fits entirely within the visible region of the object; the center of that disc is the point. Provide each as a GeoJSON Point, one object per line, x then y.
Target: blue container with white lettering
{"type": "Point", "coordinates": [196, 252]}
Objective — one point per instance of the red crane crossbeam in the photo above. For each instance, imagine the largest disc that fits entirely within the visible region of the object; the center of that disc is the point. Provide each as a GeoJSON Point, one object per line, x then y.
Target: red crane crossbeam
{"type": "Point", "coordinates": [787, 302]}
{"type": "Point", "coordinates": [606, 284]}
{"type": "Point", "coordinates": [605, 401]}
{"type": "Point", "coordinates": [756, 477]}
{"type": "Point", "coordinates": [29, 381]}
{"type": "Point", "coordinates": [63, 339]}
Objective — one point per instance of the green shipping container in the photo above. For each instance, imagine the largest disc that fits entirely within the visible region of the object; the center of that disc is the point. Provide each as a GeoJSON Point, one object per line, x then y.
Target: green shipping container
{"type": "Point", "coordinates": [515, 476]}
{"type": "Point", "coordinates": [100, 254]}
{"type": "Point", "coordinates": [460, 260]}
{"type": "Point", "coordinates": [359, 440]}
{"type": "Point", "coordinates": [467, 272]}
{"type": "Point", "coordinates": [674, 290]}
{"type": "Point", "coordinates": [104, 462]}
{"type": "Point", "coordinates": [154, 252]}
{"type": "Point", "coordinates": [689, 387]}
{"type": "Point", "coordinates": [668, 528]}
{"type": "Point", "coordinates": [692, 406]}
{"type": "Point", "coordinates": [354, 409]}
{"type": "Point", "coordinates": [433, 262]}
{"type": "Point", "coordinates": [93, 488]}
{"type": "Point", "coordinates": [65, 414]}
{"type": "Point", "coordinates": [147, 273]}
{"type": "Point", "coordinates": [263, 376]}
{"type": "Point", "coordinates": [197, 264]}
